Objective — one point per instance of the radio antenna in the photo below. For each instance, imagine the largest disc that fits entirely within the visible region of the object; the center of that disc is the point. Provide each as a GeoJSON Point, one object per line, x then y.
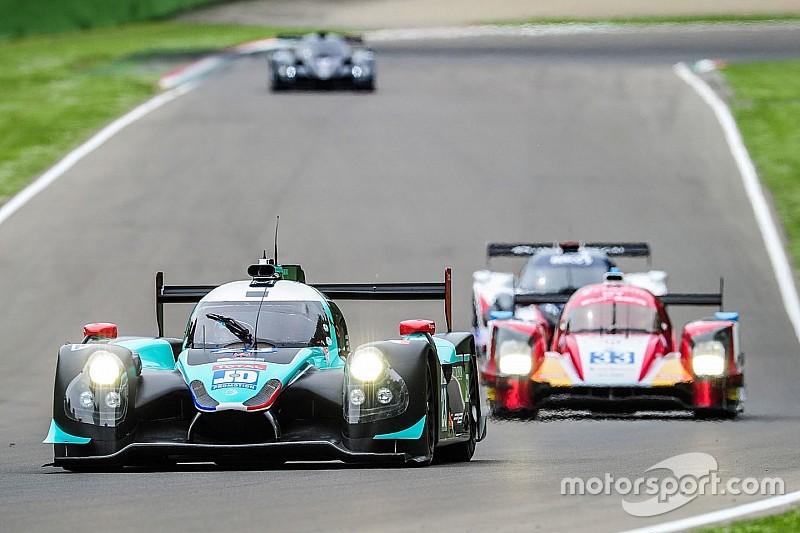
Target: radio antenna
{"type": "Point", "coordinates": [277, 224]}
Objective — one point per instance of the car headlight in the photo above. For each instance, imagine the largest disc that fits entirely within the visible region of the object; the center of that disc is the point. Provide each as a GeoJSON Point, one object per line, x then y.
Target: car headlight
{"type": "Point", "coordinates": [104, 368]}
{"type": "Point", "coordinates": [367, 364]}
{"type": "Point", "coordinates": [515, 364]}
{"type": "Point", "coordinates": [708, 358]}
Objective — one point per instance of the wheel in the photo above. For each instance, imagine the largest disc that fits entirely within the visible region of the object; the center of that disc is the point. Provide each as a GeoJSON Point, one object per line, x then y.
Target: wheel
{"type": "Point", "coordinates": [431, 418]}
{"type": "Point", "coordinates": [714, 414]}
{"type": "Point", "coordinates": [276, 85]}
{"type": "Point", "coordinates": [463, 451]}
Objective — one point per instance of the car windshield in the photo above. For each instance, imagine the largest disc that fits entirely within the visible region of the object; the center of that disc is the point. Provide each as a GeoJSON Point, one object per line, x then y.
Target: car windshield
{"type": "Point", "coordinates": [562, 272]}
{"type": "Point", "coordinates": [613, 317]}
{"type": "Point", "coordinates": [280, 324]}
{"type": "Point", "coordinates": [324, 48]}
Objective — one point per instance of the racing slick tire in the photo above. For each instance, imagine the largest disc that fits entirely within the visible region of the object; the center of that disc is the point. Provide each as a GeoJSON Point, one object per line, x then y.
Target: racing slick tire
{"type": "Point", "coordinates": [714, 414]}
{"type": "Point", "coordinates": [462, 452]}
{"type": "Point", "coordinates": [430, 433]}
{"type": "Point", "coordinates": [275, 84]}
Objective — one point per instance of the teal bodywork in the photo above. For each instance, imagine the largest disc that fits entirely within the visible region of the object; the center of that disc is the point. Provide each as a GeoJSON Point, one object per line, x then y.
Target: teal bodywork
{"type": "Point", "coordinates": [412, 433]}
{"type": "Point", "coordinates": [233, 394]}
{"type": "Point", "coordinates": [56, 435]}
{"type": "Point", "coordinates": [254, 372]}
{"type": "Point", "coordinates": [155, 353]}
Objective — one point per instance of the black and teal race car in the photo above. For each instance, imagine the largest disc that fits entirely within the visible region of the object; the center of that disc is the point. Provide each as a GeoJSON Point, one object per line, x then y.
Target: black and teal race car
{"type": "Point", "coordinates": [265, 374]}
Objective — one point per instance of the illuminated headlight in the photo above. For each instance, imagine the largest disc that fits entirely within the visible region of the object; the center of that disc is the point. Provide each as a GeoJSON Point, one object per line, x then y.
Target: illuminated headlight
{"type": "Point", "coordinates": [708, 358]}
{"type": "Point", "coordinates": [515, 364]}
{"type": "Point", "coordinates": [291, 72]}
{"type": "Point", "coordinates": [384, 395]}
{"type": "Point", "coordinates": [358, 71]}
{"type": "Point", "coordinates": [104, 368]}
{"type": "Point", "coordinates": [357, 396]}
{"type": "Point", "coordinates": [367, 364]}
{"type": "Point", "coordinates": [87, 399]}
{"type": "Point", "coordinates": [113, 399]}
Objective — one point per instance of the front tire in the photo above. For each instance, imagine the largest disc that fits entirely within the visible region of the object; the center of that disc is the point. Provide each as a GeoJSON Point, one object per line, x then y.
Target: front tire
{"type": "Point", "coordinates": [431, 417]}
{"type": "Point", "coordinates": [463, 451]}
{"type": "Point", "coordinates": [714, 414]}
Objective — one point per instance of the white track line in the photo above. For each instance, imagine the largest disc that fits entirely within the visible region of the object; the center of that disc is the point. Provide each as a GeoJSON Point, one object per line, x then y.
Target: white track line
{"type": "Point", "coordinates": [719, 516]}
{"type": "Point", "coordinates": [752, 186]}
{"type": "Point", "coordinates": [783, 274]}
{"type": "Point", "coordinates": [72, 158]}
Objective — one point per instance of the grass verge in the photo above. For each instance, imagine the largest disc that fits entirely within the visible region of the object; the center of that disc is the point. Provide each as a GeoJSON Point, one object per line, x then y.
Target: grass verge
{"type": "Point", "coordinates": [766, 106]}
{"type": "Point", "coordinates": [31, 17]}
{"type": "Point", "coordinates": [770, 524]}
{"type": "Point", "coordinates": [58, 90]}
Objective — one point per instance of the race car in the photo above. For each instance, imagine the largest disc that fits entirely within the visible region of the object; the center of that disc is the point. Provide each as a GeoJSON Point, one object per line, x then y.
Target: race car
{"type": "Point", "coordinates": [322, 60]}
{"type": "Point", "coordinates": [614, 350]}
{"type": "Point", "coordinates": [550, 268]}
{"type": "Point", "coordinates": [265, 374]}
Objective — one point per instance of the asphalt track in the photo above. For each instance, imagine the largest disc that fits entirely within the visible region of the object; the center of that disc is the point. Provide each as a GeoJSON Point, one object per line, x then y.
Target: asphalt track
{"type": "Point", "coordinates": [464, 142]}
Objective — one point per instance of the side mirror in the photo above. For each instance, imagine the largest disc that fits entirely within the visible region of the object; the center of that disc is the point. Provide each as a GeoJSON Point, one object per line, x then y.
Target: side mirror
{"type": "Point", "coordinates": [408, 327]}
{"type": "Point", "coordinates": [501, 315]}
{"type": "Point", "coordinates": [564, 326]}
{"type": "Point", "coordinates": [100, 330]}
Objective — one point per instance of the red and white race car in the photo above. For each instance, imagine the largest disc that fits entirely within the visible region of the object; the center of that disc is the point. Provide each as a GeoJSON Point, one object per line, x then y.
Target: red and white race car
{"type": "Point", "coordinates": [614, 350]}
{"type": "Point", "coordinates": [549, 268]}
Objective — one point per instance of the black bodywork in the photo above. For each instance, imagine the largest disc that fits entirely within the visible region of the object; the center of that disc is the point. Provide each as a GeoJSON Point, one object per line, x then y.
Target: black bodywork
{"type": "Point", "coordinates": [322, 60]}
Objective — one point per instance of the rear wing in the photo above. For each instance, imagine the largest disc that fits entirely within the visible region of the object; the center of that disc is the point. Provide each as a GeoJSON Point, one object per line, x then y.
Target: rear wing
{"type": "Point", "coordinates": [541, 298]}
{"type": "Point", "coordinates": [176, 294]}
{"type": "Point", "coordinates": [394, 291]}
{"type": "Point", "coordinates": [334, 291]}
{"type": "Point", "coordinates": [612, 249]}
{"type": "Point", "coordinates": [689, 298]}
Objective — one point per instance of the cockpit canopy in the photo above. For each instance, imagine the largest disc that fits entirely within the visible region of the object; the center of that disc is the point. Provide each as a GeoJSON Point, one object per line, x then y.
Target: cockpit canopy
{"type": "Point", "coordinates": [612, 317]}
{"type": "Point", "coordinates": [557, 271]}
{"type": "Point", "coordinates": [281, 324]}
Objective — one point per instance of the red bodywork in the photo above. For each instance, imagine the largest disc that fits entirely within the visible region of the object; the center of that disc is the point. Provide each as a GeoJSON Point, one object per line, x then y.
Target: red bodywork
{"type": "Point", "coordinates": [510, 393]}
{"type": "Point", "coordinates": [662, 360]}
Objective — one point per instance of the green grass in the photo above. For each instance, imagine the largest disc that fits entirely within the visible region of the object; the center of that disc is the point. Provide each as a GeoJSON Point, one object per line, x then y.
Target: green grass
{"type": "Point", "coordinates": [767, 108]}
{"type": "Point", "coordinates": [58, 90]}
{"type": "Point", "coordinates": [28, 17]}
{"type": "Point", "coordinates": [770, 524]}
{"type": "Point", "coordinates": [683, 19]}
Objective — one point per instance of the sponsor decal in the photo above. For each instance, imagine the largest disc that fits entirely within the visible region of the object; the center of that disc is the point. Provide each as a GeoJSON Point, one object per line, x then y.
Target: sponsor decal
{"type": "Point", "coordinates": [223, 359]}
{"type": "Point", "coordinates": [578, 259]}
{"type": "Point", "coordinates": [523, 250]}
{"type": "Point", "coordinates": [611, 357]}
{"type": "Point", "coordinates": [240, 366]}
{"type": "Point", "coordinates": [243, 379]}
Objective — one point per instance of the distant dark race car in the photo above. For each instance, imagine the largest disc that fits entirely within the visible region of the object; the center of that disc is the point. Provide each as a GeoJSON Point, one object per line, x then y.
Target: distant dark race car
{"type": "Point", "coordinates": [322, 60]}
{"type": "Point", "coordinates": [265, 374]}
